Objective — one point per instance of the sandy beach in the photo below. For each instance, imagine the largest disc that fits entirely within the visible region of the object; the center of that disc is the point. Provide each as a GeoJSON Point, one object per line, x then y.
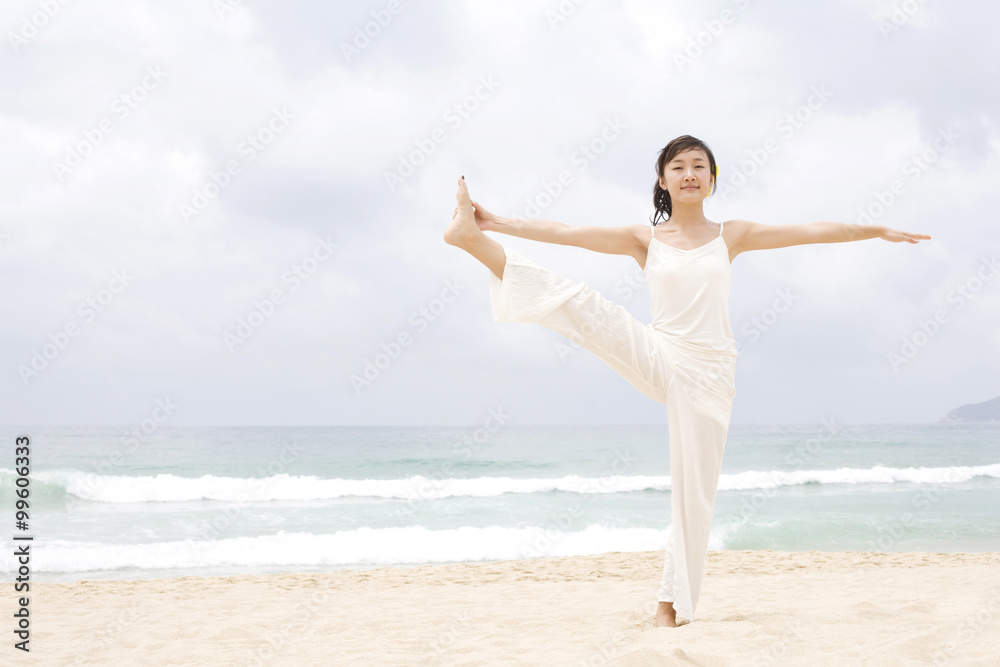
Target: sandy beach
{"type": "Point", "coordinates": [757, 608]}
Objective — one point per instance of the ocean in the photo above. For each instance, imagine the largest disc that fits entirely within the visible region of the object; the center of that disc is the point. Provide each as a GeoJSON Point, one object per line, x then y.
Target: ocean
{"type": "Point", "coordinates": [107, 503]}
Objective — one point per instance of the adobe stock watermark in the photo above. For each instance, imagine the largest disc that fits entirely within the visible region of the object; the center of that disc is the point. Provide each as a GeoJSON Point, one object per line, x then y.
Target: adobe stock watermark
{"type": "Point", "coordinates": [247, 152]}
{"type": "Point", "coordinates": [88, 309]}
{"type": "Point", "coordinates": [224, 7]}
{"type": "Point", "coordinates": [121, 109]}
{"type": "Point", "coordinates": [263, 309]}
{"type": "Point", "coordinates": [923, 500]}
{"type": "Point", "coordinates": [802, 453]}
{"type": "Point", "coordinates": [702, 40]}
{"type": "Point", "coordinates": [447, 639]}
{"type": "Point", "coordinates": [634, 619]}
{"type": "Point", "coordinates": [293, 626]}
{"type": "Point", "coordinates": [970, 628]}
{"type": "Point", "coordinates": [786, 127]}
{"type": "Point", "coordinates": [581, 158]}
{"type": "Point", "coordinates": [420, 320]}
{"type": "Point", "coordinates": [915, 167]}
{"type": "Point", "coordinates": [562, 11]}
{"type": "Point", "coordinates": [627, 287]}
{"type": "Point", "coordinates": [35, 23]}
{"type": "Point", "coordinates": [546, 537]}
{"type": "Point", "coordinates": [363, 35]}
{"type": "Point", "coordinates": [212, 529]}
{"type": "Point", "coordinates": [756, 325]}
{"type": "Point", "coordinates": [578, 339]}
{"type": "Point", "coordinates": [718, 375]}
{"type": "Point", "coordinates": [163, 410]}
{"type": "Point", "coordinates": [428, 488]}
{"type": "Point", "coordinates": [774, 654]}
{"type": "Point", "coordinates": [454, 116]}
{"type": "Point", "coordinates": [111, 631]}
{"type": "Point", "coordinates": [899, 16]}
{"type": "Point", "coordinates": [928, 328]}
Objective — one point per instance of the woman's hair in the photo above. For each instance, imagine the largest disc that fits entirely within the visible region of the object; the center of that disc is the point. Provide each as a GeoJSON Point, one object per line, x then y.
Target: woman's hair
{"type": "Point", "coordinates": [661, 198]}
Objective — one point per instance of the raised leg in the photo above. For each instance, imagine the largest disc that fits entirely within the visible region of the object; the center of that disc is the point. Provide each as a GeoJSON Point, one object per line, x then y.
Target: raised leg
{"type": "Point", "coordinates": [464, 233]}
{"type": "Point", "coordinates": [532, 293]}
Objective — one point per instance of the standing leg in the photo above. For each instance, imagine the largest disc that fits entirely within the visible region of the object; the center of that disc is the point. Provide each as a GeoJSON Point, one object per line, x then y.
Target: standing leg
{"type": "Point", "coordinates": [666, 615]}
{"type": "Point", "coordinates": [698, 410]}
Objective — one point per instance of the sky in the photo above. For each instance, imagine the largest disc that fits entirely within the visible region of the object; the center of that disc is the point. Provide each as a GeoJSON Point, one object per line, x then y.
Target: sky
{"type": "Point", "coordinates": [231, 212]}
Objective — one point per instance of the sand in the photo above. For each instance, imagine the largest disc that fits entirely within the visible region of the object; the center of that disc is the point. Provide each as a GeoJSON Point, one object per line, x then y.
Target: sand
{"type": "Point", "coordinates": [757, 608]}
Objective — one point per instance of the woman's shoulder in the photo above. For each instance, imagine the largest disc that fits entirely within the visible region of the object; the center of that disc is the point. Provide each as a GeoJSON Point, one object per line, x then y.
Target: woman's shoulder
{"type": "Point", "coordinates": [735, 224]}
{"type": "Point", "coordinates": [734, 229]}
{"type": "Point", "coordinates": [640, 231]}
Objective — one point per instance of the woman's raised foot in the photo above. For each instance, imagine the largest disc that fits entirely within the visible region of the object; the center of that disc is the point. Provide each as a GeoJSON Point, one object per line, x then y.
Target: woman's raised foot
{"type": "Point", "coordinates": [463, 227]}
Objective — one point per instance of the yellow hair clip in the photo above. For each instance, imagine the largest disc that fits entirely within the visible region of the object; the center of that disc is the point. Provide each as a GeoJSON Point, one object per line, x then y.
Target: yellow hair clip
{"type": "Point", "coordinates": [712, 188]}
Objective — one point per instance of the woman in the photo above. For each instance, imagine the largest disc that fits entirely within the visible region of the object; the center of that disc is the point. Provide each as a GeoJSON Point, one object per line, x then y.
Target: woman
{"type": "Point", "coordinates": [686, 358]}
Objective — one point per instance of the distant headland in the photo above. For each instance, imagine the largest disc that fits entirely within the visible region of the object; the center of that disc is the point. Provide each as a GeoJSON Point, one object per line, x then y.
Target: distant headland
{"type": "Point", "coordinates": [988, 411]}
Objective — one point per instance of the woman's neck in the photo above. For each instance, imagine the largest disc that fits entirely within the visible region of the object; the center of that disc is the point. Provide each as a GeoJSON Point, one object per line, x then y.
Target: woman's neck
{"type": "Point", "coordinates": [688, 216]}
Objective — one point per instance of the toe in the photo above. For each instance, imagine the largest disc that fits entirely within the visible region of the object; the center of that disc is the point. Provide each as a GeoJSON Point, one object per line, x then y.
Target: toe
{"type": "Point", "coordinates": [463, 194]}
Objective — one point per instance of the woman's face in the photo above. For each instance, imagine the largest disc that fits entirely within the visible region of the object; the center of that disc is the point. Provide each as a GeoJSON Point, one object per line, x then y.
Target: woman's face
{"type": "Point", "coordinates": [687, 177]}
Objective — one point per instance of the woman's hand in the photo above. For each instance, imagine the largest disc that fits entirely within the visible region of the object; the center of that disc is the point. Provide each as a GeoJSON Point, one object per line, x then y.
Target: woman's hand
{"type": "Point", "coordinates": [485, 220]}
{"type": "Point", "coordinates": [895, 235]}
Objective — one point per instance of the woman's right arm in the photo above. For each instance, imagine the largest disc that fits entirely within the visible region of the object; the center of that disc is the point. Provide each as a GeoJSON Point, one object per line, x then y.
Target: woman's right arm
{"type": "Point", "coordinates": [611, 240]}
{"type": "Point", "coordinates": [546, 231]}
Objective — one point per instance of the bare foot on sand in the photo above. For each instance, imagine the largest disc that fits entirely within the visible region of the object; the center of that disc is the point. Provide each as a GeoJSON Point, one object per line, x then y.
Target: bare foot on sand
{"type": "Point", "coordinates": [666, 616]}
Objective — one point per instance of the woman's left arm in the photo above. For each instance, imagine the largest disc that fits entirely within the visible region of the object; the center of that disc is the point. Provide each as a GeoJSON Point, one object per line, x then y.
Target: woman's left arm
{"type": "Point", "coordinates": [756, 236]}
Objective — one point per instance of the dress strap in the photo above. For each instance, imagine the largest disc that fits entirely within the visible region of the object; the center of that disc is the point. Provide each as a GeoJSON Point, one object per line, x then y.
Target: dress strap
{"type": "Point", "coordinates": [720, 228]}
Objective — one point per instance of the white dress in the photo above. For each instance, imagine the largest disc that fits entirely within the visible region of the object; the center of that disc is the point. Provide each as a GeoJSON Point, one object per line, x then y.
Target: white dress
{"type": "Point", "coordinates": [685, 359]}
